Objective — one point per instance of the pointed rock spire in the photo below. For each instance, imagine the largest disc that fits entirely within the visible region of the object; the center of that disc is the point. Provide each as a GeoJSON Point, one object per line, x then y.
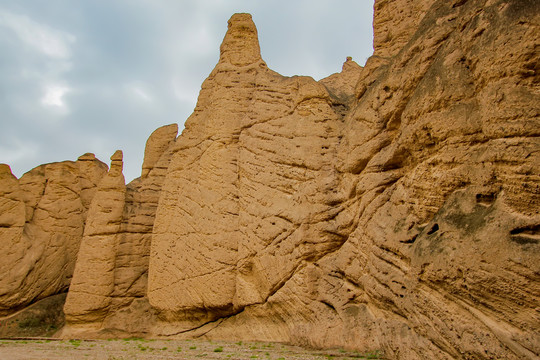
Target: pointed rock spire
{"type": "Point", "coordinates": [92, 284]}
{"type": "Point", "coordinates": [117, 163]}
{"type": "Point", "coordinates": [241, 43]}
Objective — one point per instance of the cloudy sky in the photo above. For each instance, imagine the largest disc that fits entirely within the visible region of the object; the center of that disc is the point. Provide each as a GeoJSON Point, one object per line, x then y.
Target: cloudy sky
{"type": "Point", "coordinates": [94, 76]}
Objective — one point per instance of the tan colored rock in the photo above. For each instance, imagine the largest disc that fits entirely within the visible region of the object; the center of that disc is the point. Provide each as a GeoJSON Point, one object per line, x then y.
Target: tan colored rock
{"type": "Point", "coordinates": [392, 207]}
{"type": "Point", "coordinates": [92, 286]}
{"type": "Point", "coordinates": [250, 181]}
{"type": "Point", "coordinates": [42, 216]}
{"type": "Point", "coordinates": [396, 21]}
{"type": "Point", "coordinates": [12, 213]}
{"type": "Point", "coordinates": [157, 144]}
{"type": "Point", "coordinates": [422, 244]}
{"type": "Point", "coordinates": [129, 300]}
{"type": "Point", "coordinates": [435, 190]}
{"type": "Point", "coordinates": [343, 85]}
{"type": "Point", "coordinates": [122, 304]}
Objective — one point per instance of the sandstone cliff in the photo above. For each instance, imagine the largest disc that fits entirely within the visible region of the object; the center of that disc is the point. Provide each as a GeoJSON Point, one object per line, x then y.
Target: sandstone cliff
{"type": "Point", "coordinates": [393, 206]}
{"type": "Point", "coordinates": [42, 218]}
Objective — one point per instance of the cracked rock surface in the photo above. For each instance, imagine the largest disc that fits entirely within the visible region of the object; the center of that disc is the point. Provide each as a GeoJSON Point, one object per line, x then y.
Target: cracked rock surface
{"type": "Point", "coordinates": [399, 213]}
{"type": "Point", "coordinates": [42, 218]}
{"type": "Point", "coordinates": [393, 206]}
{"type": "Point", "coordinates": [109, 286]}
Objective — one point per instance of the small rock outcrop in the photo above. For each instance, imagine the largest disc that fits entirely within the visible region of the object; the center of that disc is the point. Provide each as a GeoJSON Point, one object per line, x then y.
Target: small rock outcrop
{"type": "Point", "coordinates": [157, 144]}
{"type": "Point", "coordinates": [342, 86]}
{"type": "Point", "coordinates": [390, 207]}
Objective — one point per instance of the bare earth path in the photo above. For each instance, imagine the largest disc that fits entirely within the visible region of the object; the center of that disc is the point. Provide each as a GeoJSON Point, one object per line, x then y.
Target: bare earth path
{"type": "Point", "coordinates": [163, 349]}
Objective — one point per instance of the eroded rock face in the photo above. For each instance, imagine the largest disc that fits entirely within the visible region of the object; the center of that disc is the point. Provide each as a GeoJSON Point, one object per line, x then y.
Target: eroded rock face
{"type": "Point", "coordinates": [342, 86]}
{"type": "Point", "coordinates": [250, 180]}
{"type": "Point", "coordinates": [42, 218]}
{"type": "Point", "coordinates": [110, 283]}
{"type": "Point", "coordinates": [392, 206]}
{"type": "Point", "coordinates": [157, 144]}
{"type": "Point", "coordinates": [93, 281]}
{"type": "Point", "coordinates": [396, 21]}
{"type": "Point", "coordinates": [408, 224]}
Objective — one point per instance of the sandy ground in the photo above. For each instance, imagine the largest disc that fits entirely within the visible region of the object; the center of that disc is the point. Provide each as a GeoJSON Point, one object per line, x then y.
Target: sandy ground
{"type": "Point", "coordinates": [163, 349]}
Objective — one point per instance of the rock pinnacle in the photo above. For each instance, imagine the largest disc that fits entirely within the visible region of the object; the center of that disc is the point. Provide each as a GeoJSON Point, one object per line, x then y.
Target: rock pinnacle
{"type": "Point", "coordinates": [241, 44]}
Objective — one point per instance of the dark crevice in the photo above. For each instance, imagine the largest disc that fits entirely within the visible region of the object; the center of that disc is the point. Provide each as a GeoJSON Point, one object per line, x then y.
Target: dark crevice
{"type": "Point", "coordinates": [217, 322]}
{"type": "Point", "coordinates": [486, 199]}
{"type": "Point", "coordinates": [526, 234]}
{"type": "Point", "coordinates": [433, 229]}
{"type": "Point", "coordinates": [410, 241]}
{"type": "Point", "coordinates": [328, 305]}
{"type": "Point", "coordinates": [459, 3]}
{"type": "Point", "coordinates": [529, 230]}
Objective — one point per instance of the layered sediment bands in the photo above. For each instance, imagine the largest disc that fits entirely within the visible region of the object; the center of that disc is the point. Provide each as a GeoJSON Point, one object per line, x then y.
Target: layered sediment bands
{"type": "Point", "coordinates": [396, 21]}
{"type": "Point", "coordinates": [436, 153]}
{"type": "Point", "coordinates": [42, 217]}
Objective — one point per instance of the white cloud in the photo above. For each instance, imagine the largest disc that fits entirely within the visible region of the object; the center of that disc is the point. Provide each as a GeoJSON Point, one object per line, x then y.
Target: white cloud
{"type": "Point", "coordinates": [200, 40]}
{"type": "Point", "coordinates": [82, 69]}
{"type": "Point", "coordinates": [54, 96]}
{"type": "Point", "coordinates": [42, 38]}
{"type": "Point", "coordinates": [141, 94]}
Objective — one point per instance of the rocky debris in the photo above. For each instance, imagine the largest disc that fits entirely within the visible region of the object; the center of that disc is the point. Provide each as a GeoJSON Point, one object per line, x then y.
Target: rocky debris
{"type": "Point", "coordinates": [42, 218]}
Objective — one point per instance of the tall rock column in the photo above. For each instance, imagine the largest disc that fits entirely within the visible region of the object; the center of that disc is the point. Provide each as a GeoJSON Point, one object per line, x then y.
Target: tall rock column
{"type": "Point", "coordinates": [196, 234]}
{"type": "Point", "coordinates": [110, 286]}
{"type": "Point", "coordinates": [130, 311]}
{"type": "Point", "coordinates": [248, 190]}
{"type": "Point", "coordinates": [93, 281]}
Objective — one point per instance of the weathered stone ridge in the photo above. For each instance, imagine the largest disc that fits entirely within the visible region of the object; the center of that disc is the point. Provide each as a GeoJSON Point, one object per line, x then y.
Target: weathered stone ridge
{"type": "Point", "coordinates": [42, 218]}
{"type": "Point", "coordinates": [393, 206]}
{"type": "Point", "coordinates": [93, 281]}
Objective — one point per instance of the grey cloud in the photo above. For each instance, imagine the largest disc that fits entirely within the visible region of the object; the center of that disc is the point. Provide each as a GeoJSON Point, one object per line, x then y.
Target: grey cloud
{"type": "Point", "coordinates": [117, 70]}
